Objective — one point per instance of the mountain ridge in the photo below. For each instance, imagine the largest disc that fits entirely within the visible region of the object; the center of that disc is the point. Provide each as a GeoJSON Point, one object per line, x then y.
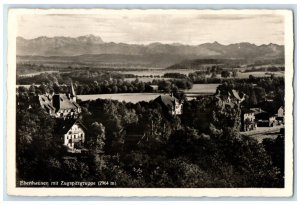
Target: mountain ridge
{"type": "Point", "coordinates": [164, 53]}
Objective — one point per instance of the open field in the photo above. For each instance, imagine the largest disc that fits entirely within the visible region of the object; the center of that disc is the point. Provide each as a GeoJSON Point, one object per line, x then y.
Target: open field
{"type": "Point", "coordinates": [197, 90]}
{"type": "Point", "coordinates": [259, 74]}
{"type": "Point", "coordinates": [127, 97]}
{"type": "Point", "coordinates": [160, 72]}
{"type": "Point", "coordinates": [37, 73]}
{"type": "Point", "coordinates": [145, 79]}
{"type": "Point", "coordinates": [202, 88]}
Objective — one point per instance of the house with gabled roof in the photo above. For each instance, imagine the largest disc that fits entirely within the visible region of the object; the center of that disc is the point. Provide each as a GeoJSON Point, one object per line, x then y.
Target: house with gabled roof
{"type": "Point", "coordinates": [61, 105]}
{"type": "Point", "coordinates": [73, 134]}
{"type": "Point", "coordinates": [248, 122]}
{"type": "Point", "coordinates": [263, 118]}
{"type": "Point", "coordinates": [65, 105]}
{"type": "Point", "coordinates": [46, 103]}
{"type": "Point", "coordinates": [170, 104]}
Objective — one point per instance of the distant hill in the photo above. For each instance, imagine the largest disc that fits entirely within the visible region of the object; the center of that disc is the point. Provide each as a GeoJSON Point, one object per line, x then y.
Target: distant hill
{"type": "Point", "coordinates": [230, 63]}
{"type": "Point", "coordinates": [93, 48]}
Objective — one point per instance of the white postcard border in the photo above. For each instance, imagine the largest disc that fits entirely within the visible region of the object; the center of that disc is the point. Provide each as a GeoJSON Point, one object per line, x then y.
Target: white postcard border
{"type": "Point", "coordinates": [171, 192]}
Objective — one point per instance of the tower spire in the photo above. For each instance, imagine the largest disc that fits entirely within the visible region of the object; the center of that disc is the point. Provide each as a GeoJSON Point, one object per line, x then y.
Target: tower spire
{"type": "Point", "coordinates": [72, 92]}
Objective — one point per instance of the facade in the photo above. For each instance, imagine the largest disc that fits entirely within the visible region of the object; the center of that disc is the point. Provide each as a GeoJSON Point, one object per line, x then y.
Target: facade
{"type": "Point", "coordinates": [229, 98]}
{"type": "Point", "coordinates": [280, 115]}
{"type": "Point", "coordinates": [248, 120]}
{"type": "Point", "coordinates": [170, 104]}
{"type": "Point", "coordinates": [73, 134]}
{"type": "Point", "coordinates": [263, 118]}
{"type": "Point", "coordinates": [65, 109]}
{"type": "Point", "coordinates": [280, 112]}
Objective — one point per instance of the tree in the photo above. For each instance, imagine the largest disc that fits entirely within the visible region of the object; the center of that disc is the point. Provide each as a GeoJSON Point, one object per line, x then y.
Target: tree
{"type": "Point", "coordinates": [260, 93]}
{"type": "Point", "coordinates": [97, 137]}
{"type": "Point", "coordinates": [251, 77]}
{"type": "Point", "coordinates": [56, 88]}
{"type": "Point", "coordinates": [32, 88]}
{"type": "Point", "coordinates": [114, 89]}
{"type": "Point", "coordinates": [164, 85]}
{"type": "Point", "coordinates": [225, 74]}
{"type": "Point", "coordinates": [253, 99]}
{"type": "Point", "coordinates": [213, 75]}
{"type": "Point", "coordinates": [42, 88]}
{"type": "Point", "coordinates": [234, 73]}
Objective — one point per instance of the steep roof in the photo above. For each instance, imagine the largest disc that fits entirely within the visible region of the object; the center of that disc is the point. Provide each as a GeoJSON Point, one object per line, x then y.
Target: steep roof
{"type": "Point", "coordinates": [257, 110]}
{"type": "Point", "coordinates": [247, 110]}
{"type": "Point", "coordinates": [167, 100]}
{"type": "Point", "coordinates": [66, 103]}
{"type": "Point", "coordinates": [72, 90]}
{"type": "Point", "coordinates": [263, 115]}
{"type": "Point", "coordinates": [45, 101]}
{"type": "Point", "coordinates": [236, 94]}
{"type": "Point", "coordinates": [63, 126]}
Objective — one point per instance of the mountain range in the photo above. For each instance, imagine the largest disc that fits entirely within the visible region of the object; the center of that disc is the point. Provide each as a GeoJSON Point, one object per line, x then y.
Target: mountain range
{"type": "Point", "coordinates": [93, 47]}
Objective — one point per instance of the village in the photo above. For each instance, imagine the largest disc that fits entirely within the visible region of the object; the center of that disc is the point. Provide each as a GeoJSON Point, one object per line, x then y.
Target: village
{"type": "Point", "coordinates": [64, 108]}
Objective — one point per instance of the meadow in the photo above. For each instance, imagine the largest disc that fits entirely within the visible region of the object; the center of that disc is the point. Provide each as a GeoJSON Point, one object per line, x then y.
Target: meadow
{"type": "Point", "coordinates": [197, 90]}
{"type": "Point", "coordinates": [127, 97]}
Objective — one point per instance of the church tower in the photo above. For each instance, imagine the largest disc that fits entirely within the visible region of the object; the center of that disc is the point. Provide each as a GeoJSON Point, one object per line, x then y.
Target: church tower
{"type": "Point", "coordinates": [72, 93]}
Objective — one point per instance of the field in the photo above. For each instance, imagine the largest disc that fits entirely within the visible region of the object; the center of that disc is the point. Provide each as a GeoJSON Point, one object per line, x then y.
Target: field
{"type": "Point", "coordinates": [37, 73]}
{"type": "Point", "coordinates": [127, 97]}
{"type": "Point", "coordinates": [203, 88]}
{"type": "Point", "coordinates": [259, 74]}
{"type": "Point", "coordinates": [144, 74]}
{"type": "Point", "coordinates": [158, 72]}
{"type": "Point", "coordinates": [197, 90]}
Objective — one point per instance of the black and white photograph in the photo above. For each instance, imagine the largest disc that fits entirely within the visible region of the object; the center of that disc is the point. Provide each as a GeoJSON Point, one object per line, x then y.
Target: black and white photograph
{"type": "Point", "coordinates": [186, 102]}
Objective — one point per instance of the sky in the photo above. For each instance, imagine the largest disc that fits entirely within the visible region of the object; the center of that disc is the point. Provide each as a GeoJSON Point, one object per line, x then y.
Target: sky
{"type": "Point", "coordinates": [185, 27]}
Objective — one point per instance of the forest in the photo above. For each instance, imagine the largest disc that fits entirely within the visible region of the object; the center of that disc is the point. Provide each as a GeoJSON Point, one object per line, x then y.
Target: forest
{"type": "Point", "coordinates": [201, 148]}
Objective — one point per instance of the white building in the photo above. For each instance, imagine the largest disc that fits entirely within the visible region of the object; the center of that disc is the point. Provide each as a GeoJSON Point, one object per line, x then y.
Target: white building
{"type": "Point", "coordinates": [73, 134]}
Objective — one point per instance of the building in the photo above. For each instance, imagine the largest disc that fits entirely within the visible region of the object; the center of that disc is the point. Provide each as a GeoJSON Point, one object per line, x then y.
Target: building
{"type": "Point", "coordinates": [152, 88]}
{"type": "Point", "coordinates": [229, 97]}
{"type": "Point", "coordinates": [62, 105]}
{"type": "Point", "coordinates": [73, 135]}
{"type": "Point", "coordinates": [248, 120]}
{"type": "Point", "coordinates": [46, 103]}
{"type": "Point", "coordinates": [170, 104]}
{"type": "Point", "coordinates": [65, 106]}
{"type": "Point", "coordinates": [233, 94]}
{"type": "Point", "coordinates": [280, 115]}
{"type": "Point", "coordinates": [263, 118]}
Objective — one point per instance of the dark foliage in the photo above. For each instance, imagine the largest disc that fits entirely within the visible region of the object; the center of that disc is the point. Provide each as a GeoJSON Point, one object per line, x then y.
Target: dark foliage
{"type": "Point", "coordinates": [162, 151]}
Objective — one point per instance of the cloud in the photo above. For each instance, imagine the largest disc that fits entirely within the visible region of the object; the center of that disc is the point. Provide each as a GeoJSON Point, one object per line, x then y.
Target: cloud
{"type": "Point", "coordinates": [181, 27]}
{"type": "Point", "coordinates": [224, 17]}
